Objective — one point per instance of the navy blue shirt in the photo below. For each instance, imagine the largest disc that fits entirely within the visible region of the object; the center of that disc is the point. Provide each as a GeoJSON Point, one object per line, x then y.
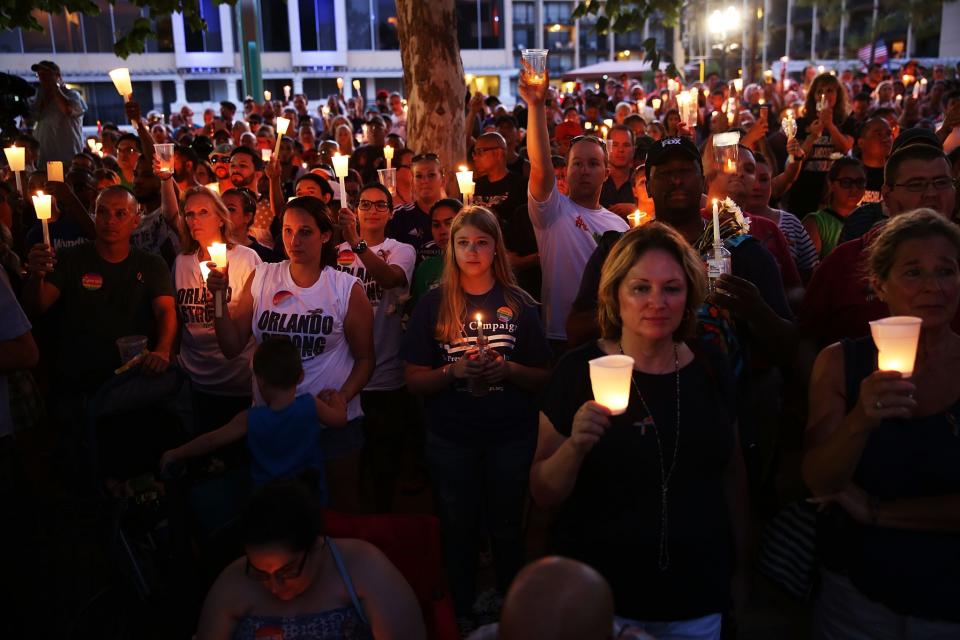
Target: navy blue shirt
{"type": "Point", "coordinates": [410, 224]}
{"type": "Point", "coordinates": [507, 412]}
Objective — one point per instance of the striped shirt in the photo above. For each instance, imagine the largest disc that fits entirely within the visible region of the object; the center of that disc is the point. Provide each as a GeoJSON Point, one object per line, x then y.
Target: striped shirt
{"type": "Point", "coordinates": [801, 247]}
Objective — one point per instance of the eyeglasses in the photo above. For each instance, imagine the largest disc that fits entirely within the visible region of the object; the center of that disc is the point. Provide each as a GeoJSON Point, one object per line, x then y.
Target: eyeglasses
{"type": "Point", "coordinates": [478, 151]}
{"type": "Point", "coordinates": [216, 159]}
{"type": "Point", "coordinates": [280, 576]}
{"type": "Point", "coordinates": [380, 205]}
{"type": "Point", "coordinates": [425, 156]}
{"type": "Point", "coordinates": [921, 186]}
{"type": "Point", "coordinates": [850, 183]}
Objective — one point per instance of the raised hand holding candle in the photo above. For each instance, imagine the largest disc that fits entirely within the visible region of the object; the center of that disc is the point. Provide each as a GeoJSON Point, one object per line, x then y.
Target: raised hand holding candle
{"type": "Point", "coordinates": [356, 86]}
{"type": "Point", "coordinates": [17, 159]}
{"type": "Point", "coordinates": [340, 85]}
{"type": "Point", "coordinates": [286, 92]}
{"type": "Point", "coordinates": [41, 204]}
{"type": "Point", "coordinates": [610, 379]}
{"type": "Point", "coordinates": [54, 171]}
{"type": "Point", "coordinates": [896, 339]}
{"type": "Point", "coordinates": [388, 154]}
{"type": "Point", "coordinates": [535, 65]}
{"type": "Point", "coordinates": [282, 124]}
{"type": "Point", "coordinates": [266, 96]}
{"type": "Point", "coordinates": [121, 80]}
{"type": "Point", "coordinates": [218, 255]}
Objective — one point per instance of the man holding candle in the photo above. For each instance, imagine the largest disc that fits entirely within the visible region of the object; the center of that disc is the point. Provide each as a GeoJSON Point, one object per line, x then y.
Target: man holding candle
{"type": "Point", "coordinates": [58, 114]}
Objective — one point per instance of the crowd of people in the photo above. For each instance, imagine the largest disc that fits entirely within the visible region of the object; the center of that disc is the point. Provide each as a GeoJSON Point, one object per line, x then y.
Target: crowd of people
{"type": "Point", "coordinates": [375, 336]}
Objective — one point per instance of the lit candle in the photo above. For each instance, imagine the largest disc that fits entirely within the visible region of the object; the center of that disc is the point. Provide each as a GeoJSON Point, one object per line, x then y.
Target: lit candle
{"type": "Point", "coordinates": [716, 221]}
{"type": "Point", "coordinates": [896, 339]}
{"type": "Point", "coordinates": [121, 80]}
{"type": "Point", "coordinates": [609, 123]}
{"type": "Point", "coordinates": [738, 85]}
{"type": "Point", "coordinates": [214, 186]}
{"type": "Point", "coordinates": [98, 148]}
{"type": "Point", "coordinates": [388, 154]}
{"type": "Point", "coordinates": [282, 124]}
{"type": "Point", "coordinates": [481, 339]}
{"type": "Point", "coordinates": [92, 144]}
{"type": "Point", "coordinates": [635, 218]}
{"type": "Point", "coordinates": [17, 159]}
{"type": "Point", "coordinates": [267, 95]}
{"type": "Point", "coordinates": [286, 92]}
{"type": "Point", "coordinates": [610, 379]}
{"type": "Point", "coordinates": [588, 126]}
{"type": "Point", "coordinates": [340, 85]}
{"type": "Point", "coordinates": [54, 171]}
{"type": "Point", "coordinates": [218, 255]}
{"type": "Point", "coordinates": [820, 68]}
{"type": "Point", "coordinates": [356, 86]}
{"type": "Point", "coordinates": [41, 204]}
{"type": "Point", "coordinates": [656, 102]}
{"type": "Point", "coordinates": [341, 167]}
{"type": "Point", "coordinates": [265, 154]}
{"type": "Point", "coordinates": [603, 131]}
{"type": "Point", "coordinates": [464, 177]}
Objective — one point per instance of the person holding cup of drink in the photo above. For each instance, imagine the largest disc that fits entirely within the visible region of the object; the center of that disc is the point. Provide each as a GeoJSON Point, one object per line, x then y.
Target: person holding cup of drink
{"type": "Point", "coordinates": [883, 447]}
{"type": "Point", "coordinates": [652, 496]}
{"type": "Point", "coordinates": [479, 447]}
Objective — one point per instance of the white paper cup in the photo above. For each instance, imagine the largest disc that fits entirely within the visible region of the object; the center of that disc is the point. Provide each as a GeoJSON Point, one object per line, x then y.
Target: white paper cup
{"type": "Point", "coordinates": [896, 339]}
{"type": "Point", "coordinates": [610, 377]}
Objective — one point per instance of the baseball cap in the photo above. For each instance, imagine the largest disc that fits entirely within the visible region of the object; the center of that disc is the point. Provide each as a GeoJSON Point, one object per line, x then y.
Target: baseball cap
{"type": "Point", "coordinates": [49, 65]}
{"type": "Point", "coordinates": [662, 149]}
{"type": "Point", "coordinates": [916, 135]}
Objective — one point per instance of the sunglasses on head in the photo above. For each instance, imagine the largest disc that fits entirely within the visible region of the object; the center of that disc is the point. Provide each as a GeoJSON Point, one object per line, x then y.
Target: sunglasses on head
{"type": "Point", "coordinates": [426, 156]}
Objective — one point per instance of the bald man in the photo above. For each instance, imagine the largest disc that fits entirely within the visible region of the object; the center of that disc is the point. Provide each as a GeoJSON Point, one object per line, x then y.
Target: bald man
{"type": "Point", "coordinates": [557, 598]}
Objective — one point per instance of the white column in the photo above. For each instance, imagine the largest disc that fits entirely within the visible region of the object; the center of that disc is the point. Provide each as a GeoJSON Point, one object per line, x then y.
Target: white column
{"type": "Point", "coordinates": [909, 51]}
{"type": "Point", "coordinates": [232, 92]}
{"type": "Point", "coordinates": [505, 96]}
{"type": "Point", "coordinates": [611, 52]}
{"type": "Point", "coordinates": [789, 30]}
{"type": "Point", "coordinates": [157, 96]}
{"type": "Point", "coordinates": [538, 35]}
{"type": "Point", "coordinates": [297, 83]}
{"type": "Point", "coordinates": [180, 88]}
{"type": "Point", "coordinates": [679, 56]}
{"type": "Point", "coordinates": [814, 27]}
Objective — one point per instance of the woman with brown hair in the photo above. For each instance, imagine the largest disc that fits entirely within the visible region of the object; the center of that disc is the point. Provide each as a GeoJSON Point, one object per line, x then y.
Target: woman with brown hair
{"type": "Point", "coordinates": [476, 351]}
{"type": "Point", "coordinates": [826, 131]}
{"type": "Point", "coordinates": [884, 450]}
{"type": "Point", "coordinates": [652, 498]}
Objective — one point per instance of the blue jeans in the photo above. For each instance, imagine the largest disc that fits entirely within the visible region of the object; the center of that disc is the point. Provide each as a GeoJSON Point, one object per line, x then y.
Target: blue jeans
{"type": "Point", "coordinates": [474, 485]}
{"type": "Point", "coordinates": [705, 628]}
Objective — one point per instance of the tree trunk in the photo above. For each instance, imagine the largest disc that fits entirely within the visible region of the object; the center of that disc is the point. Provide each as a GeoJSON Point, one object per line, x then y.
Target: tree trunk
{"type": "Point", "coordinates": [433, 79]}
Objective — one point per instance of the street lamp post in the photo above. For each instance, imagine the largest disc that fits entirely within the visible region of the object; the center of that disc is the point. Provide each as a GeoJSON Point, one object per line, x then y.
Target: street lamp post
{"type": "Point", "coordinates": [720, 23]}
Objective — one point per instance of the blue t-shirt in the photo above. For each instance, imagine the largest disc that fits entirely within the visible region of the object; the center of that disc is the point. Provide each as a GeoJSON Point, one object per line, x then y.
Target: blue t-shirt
{"type": "Point", "coordinates": [285, 443]}
{"type": "Point", "coordinates": [507, 412]}
{"type": "Point", "coordinates": [63, 234]}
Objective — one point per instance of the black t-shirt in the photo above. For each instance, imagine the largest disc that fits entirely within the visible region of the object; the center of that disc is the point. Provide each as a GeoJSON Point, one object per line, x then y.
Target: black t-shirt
{"type": "Point", "coordinates": [612, 518]}
{"type": "Point", "coordinates": [874, 182]}
{"type": "Point", "coordinates": [805, 194]}
{"type": "Point", "coordinates": [410, 224]}
{"type": "Point", "coordinates": [611, 195]}
{"type": "Point", "coordinates": [507, 412]}
{"type": "Point", "coordinates": [101, 301]}
{"type": "Point", "coordinates": [507, 198]}
{"type": "Point", "coordinates": [863, 218]}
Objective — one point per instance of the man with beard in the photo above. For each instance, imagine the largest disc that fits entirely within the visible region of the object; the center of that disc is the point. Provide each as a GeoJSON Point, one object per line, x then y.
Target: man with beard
{"type": "Point", "coordinates": [184, 162]}
{"type": "Point", "coordinates": [220, 161]}
{"type": "Point", "coordinates": [246, 169]}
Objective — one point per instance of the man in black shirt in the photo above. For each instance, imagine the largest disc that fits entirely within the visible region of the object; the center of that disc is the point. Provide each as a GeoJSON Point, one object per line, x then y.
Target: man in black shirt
{"type": "Point", "coordinates": [411, 222]}
{"type": "Point", "coordinates": [507, 127]}
{"type": "Point", "coordinates": [505, 193]}
{"type": "Point", "coordinates": [617, 193]}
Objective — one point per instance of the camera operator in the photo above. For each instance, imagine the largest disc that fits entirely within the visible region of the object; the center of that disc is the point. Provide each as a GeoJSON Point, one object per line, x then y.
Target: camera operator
{"type": "Point", "coordinates": [58, 114]}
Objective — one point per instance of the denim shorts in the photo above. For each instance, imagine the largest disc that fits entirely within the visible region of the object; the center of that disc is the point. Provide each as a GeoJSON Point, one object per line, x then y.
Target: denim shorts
{"type": "Point", "coordinates": [340, 443]}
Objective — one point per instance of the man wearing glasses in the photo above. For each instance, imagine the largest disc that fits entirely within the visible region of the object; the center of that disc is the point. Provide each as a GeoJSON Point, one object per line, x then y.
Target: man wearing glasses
{"type": "Point", "coordinates": [411, 222]}
{"type": "Point", "coordinates": [838, 303]}
{"type": "Point", "coordinates": [58, 112]}
{"type": "Point", "coordinates": [504, 192]}
{"type": "Point", "coordinates": [385, 266]}
{"type": "Point", "coordinates": [128, 153]}
{"type": "Point", "coordinates": [566, 227]}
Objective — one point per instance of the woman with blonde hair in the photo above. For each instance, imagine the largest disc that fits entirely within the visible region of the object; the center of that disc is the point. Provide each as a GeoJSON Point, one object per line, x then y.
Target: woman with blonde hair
{"type": "Point", "coordinates": [476, 351]}
{"type": "Point", "coordinates": [826, 131]}
{"type": "Point", "coordinates": [652, 498]}
{"type": "Point", "coordinates": [222, 388]}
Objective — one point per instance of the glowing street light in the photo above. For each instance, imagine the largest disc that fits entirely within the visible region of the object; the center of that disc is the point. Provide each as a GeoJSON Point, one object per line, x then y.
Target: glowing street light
{"type": "Point", "coordinates": [720, 23]}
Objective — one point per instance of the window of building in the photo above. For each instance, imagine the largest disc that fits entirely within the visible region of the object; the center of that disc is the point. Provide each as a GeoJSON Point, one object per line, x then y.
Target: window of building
{"type": "Point", "coordinates": [479, 24]}
{"type": "Point", "coordinates": [211, 39]}
{"type": "Point", "coordinates": [10, 41]}
{"type": "Point", "coordinates": [317, 27]}
{"type": "Point", "coordinates": [198, 90]}
{"type": "Point", "coordinates": [372, 25]}
{"type": "Point", "coordinates": [274, 24]}
{"type": "Point", "coordinates": [358, 26]}
{"type": "Point", "coordinates": [67, 33]}
{"type": "Point", "coordinates": [38, 41]}
{"type": "Point", "coordinates": [318, 90]}
{"type": "Point", "coordinates": [98, 30]}
{"type": "Point", "coordinates": [385, 16]}
{"type": "Point", "coordinates": [524, 28]}
{"type": "Point", "coordinates": [106, 105]}
{"type": "Point", "coordinates": [487, 85]}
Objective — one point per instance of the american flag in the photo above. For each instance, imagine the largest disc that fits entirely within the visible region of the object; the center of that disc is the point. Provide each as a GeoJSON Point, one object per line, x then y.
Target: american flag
{"type": "Point", "coordinates": [879, 55]}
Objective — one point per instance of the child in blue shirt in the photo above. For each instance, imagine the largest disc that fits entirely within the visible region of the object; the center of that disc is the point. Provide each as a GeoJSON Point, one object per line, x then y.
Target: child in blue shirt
{"type": "Point", "coordinates": [283, 437]}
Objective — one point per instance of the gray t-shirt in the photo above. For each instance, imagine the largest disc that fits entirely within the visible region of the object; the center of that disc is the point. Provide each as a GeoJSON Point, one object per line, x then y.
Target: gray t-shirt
{"type": "Point", "coordinates": [60, 135]}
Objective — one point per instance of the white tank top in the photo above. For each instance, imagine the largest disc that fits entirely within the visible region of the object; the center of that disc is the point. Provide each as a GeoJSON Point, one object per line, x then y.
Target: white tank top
{"type": "Point", "coordinates": [313, 319]}
{"type": "Point", "coordinates": [200, 354]}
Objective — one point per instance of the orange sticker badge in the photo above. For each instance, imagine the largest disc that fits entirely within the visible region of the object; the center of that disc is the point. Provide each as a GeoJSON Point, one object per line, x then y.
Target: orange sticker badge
{"type": "Point", "coordinates": [91, 281]}
{"type": "Point", "coordinates": [505, 314]}
{"type": "Point", "coordinates": [280, 296]}
{"type": "Point", "coordinates": [346, 257]}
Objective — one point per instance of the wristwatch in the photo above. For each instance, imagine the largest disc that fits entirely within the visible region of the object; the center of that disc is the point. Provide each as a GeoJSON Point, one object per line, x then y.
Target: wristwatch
{"type": "Point", "coordinates": [360, 247]}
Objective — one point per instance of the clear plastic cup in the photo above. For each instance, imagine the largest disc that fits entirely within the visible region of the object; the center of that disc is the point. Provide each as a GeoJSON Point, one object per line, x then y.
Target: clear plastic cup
{"type": "Point", "coordinates": [388, 178]}
{"type": "Point", "coordinates": [130, 347]}
{"type": "Point", "coordinates": [896, 339]}
{"type": "Point", "coordinates": [610, 378]}
{"type": "Point", "coordinates": [536, 63]}
{"type": "Point", "coordinates": [726, 151]}
{"type": "Point", "coordinates": [165, 155]}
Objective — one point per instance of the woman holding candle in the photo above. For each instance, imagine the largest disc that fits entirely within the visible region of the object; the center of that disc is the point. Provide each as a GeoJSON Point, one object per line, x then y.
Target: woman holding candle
{"type": "Point", "coordinates": [222, 387]}
{"type": "Point", "coordinates": [327, 316]}
{"type": "Point", "coordinates": [478, 448]}
{"type": "Point", "coordinates": [652, 498]}
{"type": "Point", "coordinates": [884, 449]}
